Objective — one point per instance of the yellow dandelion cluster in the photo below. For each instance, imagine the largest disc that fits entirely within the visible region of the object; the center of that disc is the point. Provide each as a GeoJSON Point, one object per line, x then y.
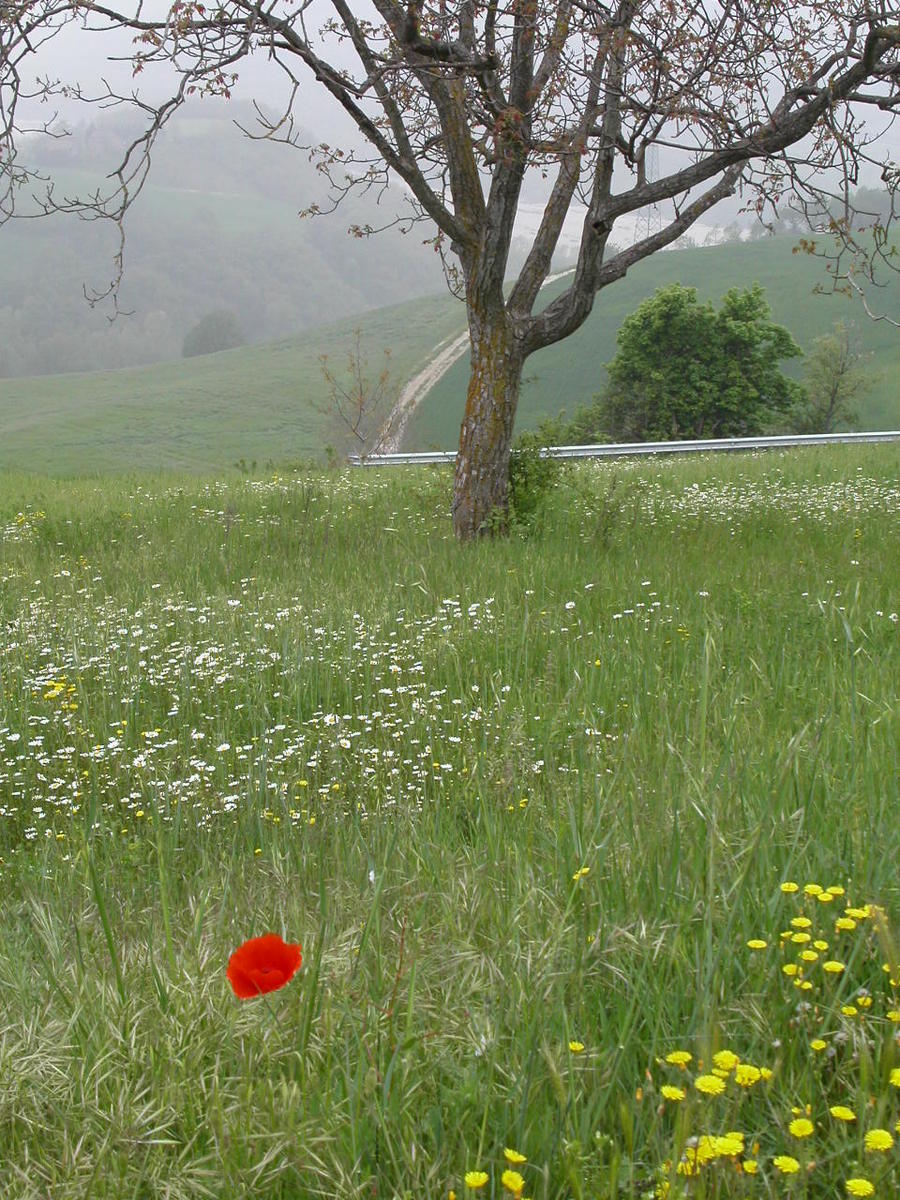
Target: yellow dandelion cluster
{"type": "Point", "coordinates": [511, 1180]}
{"type": "Point", "coordinates": [706, 1149]}
{"type": "Point", "coordinates": [808, 962]}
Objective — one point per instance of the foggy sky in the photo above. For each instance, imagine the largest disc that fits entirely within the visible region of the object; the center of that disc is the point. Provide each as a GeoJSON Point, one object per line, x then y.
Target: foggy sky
{"type": "Point", "coordinates": [85, 57]}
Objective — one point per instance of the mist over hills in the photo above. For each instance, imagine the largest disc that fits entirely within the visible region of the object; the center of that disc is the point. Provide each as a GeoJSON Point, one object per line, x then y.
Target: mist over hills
{"type": "Point", "coordinates": [215, 228]}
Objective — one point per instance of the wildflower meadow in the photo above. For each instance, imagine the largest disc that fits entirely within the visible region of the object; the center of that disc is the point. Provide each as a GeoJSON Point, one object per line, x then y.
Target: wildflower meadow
{"type": "Point", "coordinates": [340, 860]}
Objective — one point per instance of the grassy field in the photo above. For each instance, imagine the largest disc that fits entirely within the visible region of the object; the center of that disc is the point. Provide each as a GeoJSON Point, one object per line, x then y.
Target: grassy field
{"type": "Point", "coordinates": [532, 808]}
{"type": "Point", "coordinates": [265, 402]}
{"type": "Point", "coordinates": [571, 373]}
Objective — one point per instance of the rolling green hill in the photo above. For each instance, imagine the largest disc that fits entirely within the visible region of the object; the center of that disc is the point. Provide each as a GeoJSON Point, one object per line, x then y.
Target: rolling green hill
{"type": "Point", "coordinates": [570, 373]}
{"type": "Point", "coordinates": [264, 402]}
{"type": "Point", "coordinates": [203, 414]}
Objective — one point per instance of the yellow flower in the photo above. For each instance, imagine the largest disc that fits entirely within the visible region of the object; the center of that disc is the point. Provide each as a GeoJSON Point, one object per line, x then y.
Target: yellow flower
{"type": "Point", "coordinates": [845, 923]}
{"type": "Point", "coordinates": [842, 1113]}
{"type": "Point", "coordinates": [766, 1073]}
{"type": "Point", "coordinates": [859, 1187]}
{"type": "Point", "coordinates": [678, 1058]}
{"type": "Point", "coordinates": [825, 897]}
{"type": "Point", "coordinates": [705, 1149]}
{"type": "Point", "coordinates": [835, 890]}
{"type": "Point", "coordinates": [786, 1164]}
{"type": "Point", "coordinates": [893, 1014]}
{"type": "Point", "coordinates": [894, 1077]}
{"type": "Point", "coordinates": [688, 1165]}
{"type": "Point", "coordinates": [726, 1060]}
{"type": "Point", "coordinates": [849, 1010]}
{"type": "Point", "coordinates": [802, 1127]}
{"type": "Point", "coordinates": [757, 944]}
{"type": "Point", "coordinates": [576, 1047]}
{"type": "Point", "coordinates": [801, 922]}
{"type": "Point", "coordinates": [791, 969]}
{"type": "Point", "coordinates": [730, 1145]}
{"type": "Point", "coordinates": [833, 967]}
{"type": "Point", "coordinates": [513, 1182]}
{"type": "Point", "coordinates": [476, 1179]}
{"type": "Point", "coordinates": [514, 1157]}
{"type": "Point", "coordinates": [820, 945]}
{"type": "Point", "coordinates": [789, 886]}
{"type": "Point", "coordinates": [671, 1093]}
{"type": "Point", "coordinates": [746, 1074]}
{"type": "Point", "coordinates": [809, 955]}
{"type": "Point", "coordinates": [858, 914]}
{"type": "Point", "coordinates": [878, 1139]}
{"type": "Point", "coordinates": [710, 1085]}
{"type": "Point", "coordinates": [800, 938]}
{"type": "Point", "coordinates": [750, 1166]}
{"type": "Point", "coordinates": [817, 1044]}
{"type": "Point", "coordinates": [580, 873]}
{"type": "Point", "coordinates": [813, 889]}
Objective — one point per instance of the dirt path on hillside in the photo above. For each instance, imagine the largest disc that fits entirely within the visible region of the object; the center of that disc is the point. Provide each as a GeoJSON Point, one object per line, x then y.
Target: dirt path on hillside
{"type": "Point", "coordinates": [446, 353]}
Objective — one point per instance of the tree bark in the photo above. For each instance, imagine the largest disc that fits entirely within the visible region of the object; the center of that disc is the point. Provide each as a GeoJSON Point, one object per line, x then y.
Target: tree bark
{"type": "Point", "coordinates": [481, 479]}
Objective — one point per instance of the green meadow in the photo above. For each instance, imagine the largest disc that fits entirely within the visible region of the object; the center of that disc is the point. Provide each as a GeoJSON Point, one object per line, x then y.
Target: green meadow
{"type": "Point", "coordinates": [589, 836]}
{"type": "Point", "coordinates": [264, 403]}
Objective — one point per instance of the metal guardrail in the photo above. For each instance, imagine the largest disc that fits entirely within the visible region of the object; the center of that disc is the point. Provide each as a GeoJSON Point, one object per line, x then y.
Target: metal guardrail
{"type": "Point", "coordinates": [629, 449]}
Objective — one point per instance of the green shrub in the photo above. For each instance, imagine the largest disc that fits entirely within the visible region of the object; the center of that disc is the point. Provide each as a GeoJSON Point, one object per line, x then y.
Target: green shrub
{"type": "Point", "coordinates": [532, 475]}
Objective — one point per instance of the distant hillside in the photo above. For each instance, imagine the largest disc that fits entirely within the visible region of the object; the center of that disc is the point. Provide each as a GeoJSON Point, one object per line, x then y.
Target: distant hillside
{"type": "Point", "coordinates": [569, 374]}
{"type": "Point", "coordinates": [263, 403]}
{"type": "Point", "coordinates": [216, 227]}
{"type": "Point", "coordinates": [266, 402]}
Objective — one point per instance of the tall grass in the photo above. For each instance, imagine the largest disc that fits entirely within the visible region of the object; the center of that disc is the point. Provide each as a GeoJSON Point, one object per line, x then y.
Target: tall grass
{"type": "Point", "coordinates": [513, 799]}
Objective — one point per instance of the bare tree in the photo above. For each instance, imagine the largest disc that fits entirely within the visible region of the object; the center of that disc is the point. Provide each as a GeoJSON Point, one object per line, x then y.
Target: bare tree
{"type": "Point", "coordinates": [463, 101]}
{"type": "Point", "coordinates": [360, 406]}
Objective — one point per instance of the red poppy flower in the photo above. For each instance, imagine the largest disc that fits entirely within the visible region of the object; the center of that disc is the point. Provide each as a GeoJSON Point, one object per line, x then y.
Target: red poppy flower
{"type": "Point", "coordinates": [264, 964]}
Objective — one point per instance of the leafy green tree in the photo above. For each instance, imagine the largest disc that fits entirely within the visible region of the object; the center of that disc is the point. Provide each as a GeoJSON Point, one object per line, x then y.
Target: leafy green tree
{"type": "Point", "coordinates": [216, 331]}
{"type": "Point", "coordinates": [684, 370]}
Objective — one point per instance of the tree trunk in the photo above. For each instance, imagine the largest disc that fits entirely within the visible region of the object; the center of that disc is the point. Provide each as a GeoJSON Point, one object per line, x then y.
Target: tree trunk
{"type": "Point", "coordinates": [481, 479]}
